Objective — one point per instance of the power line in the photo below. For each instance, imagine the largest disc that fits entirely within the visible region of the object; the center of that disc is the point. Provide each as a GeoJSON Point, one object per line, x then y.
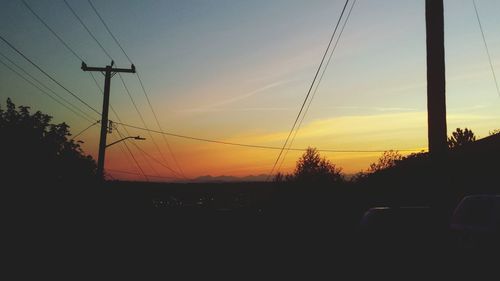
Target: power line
{"type": "Point", "coordinates": [61, 40]}
{"type": "Point", "coordinates": [146, 159]}
{"type": "Point", "coordinates": [144, 156]}
{"type": "Point", "coordinates": [159, 126]}
{"type": "Point", "coordinates": [317, 84]}
{"type": "Point", "coordinates": [121, 78]}
{"type": "Point", "coordinates": [88, 117]}
{"type": "Point", "coordinates": [133, 157]}
{"type": "Point", "coordinates": [101, 92]}
{"type": "Point", "coordinates": [109, 31]}
{"type": "Point", "coordinates": [153, 158]}
{"type": "Point", "coordinates": [46, 93]}
{"type": "Point", "coordinates": [486, 47]}
{"type": "Point", "coordinates": [309, 91]}
{"type": "Point", "coordinates": [141, 117]}
{"type": "Point", "coordinates": [87, 29]}
{"type": "Point", "coordinates": [48, 75]}
{"type": "Point", "coordinates": [118, 118]}
{"type": "Point", "coordinates": [137, 174]}
{"type": "Point", "coordinates": [121, 145]}
{"type": "Point", "coordinates": [116, 115]}
{"type": "Point", "coordinates": [69, 49]}
{"type": "Point", "coordinates": [261, 146]}
{"type": "Point", "coordinates": [142, 86]}
{"type": "Point", "coordinates": [51, 30]}
{"type": "Point", "coordinates": [72, 51]}
{"type": "Point", "coordinates": [62, 104]}
{"type": "Point", "coordinates": [84, 130]}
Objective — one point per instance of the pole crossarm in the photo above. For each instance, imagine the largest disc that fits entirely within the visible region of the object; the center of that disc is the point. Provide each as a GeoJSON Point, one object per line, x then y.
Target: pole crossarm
{"type": "Point", "coordinates": [104, 69]}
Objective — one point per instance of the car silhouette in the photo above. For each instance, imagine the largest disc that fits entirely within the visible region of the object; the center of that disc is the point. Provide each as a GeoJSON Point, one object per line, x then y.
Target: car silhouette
{"type": "Point", "coordinates": [475, 223]}
{"type": "Point", "coordinates": [400, 228]}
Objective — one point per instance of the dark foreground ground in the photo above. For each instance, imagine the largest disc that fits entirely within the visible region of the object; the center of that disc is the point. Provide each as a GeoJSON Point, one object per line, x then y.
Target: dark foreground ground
{"type": "Point", "coordinates": [203, 229]}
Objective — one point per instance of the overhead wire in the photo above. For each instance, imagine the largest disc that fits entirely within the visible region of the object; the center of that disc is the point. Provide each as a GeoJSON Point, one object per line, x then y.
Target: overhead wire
{"type": "Point", "coordinates": [87, 29]}
{"type": "Point", "coordinates": [133, 157]}
{"type": "Point", "coordinates": [140, 114]}
{"type": "Point", "coordinates": [46, 93]}
{"type": "Point", "coordinates": [259, 146]}
{"type": "Point", "coordinates": [48, 75]}
{"type": "Point", "coordinates": [75, 54]}
{"type": "Point", "coordinates": [119, 74]}
{"type": "Point", "coordinates": [127, 156]}
{"type": "Point", "coordinates": [153, 158]}
{"type": "Point", "coordinates": [119, 119]}
{"type": "Point", "coordinates": [137, 174]}
{"type": "Point", "coordinates": [93, 123]}
{"type": "Point", "coordinates": [486, 47]}
{"type": "Point", "coordinates": [51, 30]}
{"type": "Point", "coordinates": [142, 87]}
{"type": "Point", "coordinates": [109, 31]}
{"type": "Point", "coordinates": [62, 41]}
{"type": "Point", "coordinates": [84, 130]}
{"type": "Point", "coordinates": [143, 156]}
{"type": "Point", "coordinates": [309, 91]}
{"type": "Point", "coordinates": [160, 127]}
{"type": "Point", "coordinates": [88, 117]}
{"type": "Point", "coordinates": [317, 85]}
{"type": "Point", "coordinates": [200, 139]}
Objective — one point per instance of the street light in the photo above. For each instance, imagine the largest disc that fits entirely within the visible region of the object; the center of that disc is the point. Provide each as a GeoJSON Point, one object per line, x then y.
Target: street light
{"type": "Point", "coordinates": [136, 138]}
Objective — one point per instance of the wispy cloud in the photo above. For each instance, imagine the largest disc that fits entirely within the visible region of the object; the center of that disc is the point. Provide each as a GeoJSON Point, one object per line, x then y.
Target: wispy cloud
{"type": "Point", "coordinates": [350, 128]}
{"type": "Point", "coordinates": [391, 130]}
{"type": "Point", "coordinates": [375, 108]}
{"type": "Point", "coordinates": [218, 106]}
{"type": "Point", "coordinates": [469, 108]}
{"type": "Point", "coordinates": [232, 109]}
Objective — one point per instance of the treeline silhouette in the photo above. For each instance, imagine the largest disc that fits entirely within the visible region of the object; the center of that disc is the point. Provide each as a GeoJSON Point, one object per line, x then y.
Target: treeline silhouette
{"type": "Point", "coordinates": [47, 180]}
{"type": "Point", "coordinates": [36, 151]}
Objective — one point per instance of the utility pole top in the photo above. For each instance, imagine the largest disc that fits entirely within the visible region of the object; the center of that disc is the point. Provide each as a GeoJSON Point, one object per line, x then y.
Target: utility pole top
{"type": "Point", "coordinates": [108, 72]}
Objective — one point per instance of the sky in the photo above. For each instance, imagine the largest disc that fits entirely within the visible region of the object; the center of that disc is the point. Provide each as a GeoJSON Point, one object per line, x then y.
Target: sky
{"type": "Point", "coordinates": [238, 71]}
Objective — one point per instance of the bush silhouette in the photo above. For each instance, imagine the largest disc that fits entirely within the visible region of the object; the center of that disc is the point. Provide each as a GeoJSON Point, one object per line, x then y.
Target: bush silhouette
{"type": "Point", "coordinates": [461, 137]}
{"type": "Point", "coordinates": [35, 150]}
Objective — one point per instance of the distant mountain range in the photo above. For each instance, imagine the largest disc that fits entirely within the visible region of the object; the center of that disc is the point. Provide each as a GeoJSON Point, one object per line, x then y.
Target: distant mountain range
{"type": "Point", "coordinates": [251, 178]}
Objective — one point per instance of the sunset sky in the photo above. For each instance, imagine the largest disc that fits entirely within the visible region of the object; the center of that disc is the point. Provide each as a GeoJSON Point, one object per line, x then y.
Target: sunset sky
{"type": "Point", "coordinates": [238, 71]}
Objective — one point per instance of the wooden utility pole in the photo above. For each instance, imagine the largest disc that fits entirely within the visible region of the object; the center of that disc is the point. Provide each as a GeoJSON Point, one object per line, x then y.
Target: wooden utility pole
{"type": "Point", "coordinates": [436, 80]}
{"type": "Point", "coordinates": [108, 72]}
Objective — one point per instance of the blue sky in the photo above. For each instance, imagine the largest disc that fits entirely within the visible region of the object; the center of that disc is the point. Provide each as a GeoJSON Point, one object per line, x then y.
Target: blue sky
{"type": "Point", "coordinates": [239, 70]}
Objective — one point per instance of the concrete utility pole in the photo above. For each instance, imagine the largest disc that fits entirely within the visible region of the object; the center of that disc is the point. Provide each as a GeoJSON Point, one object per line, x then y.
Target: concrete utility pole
{"type": "Point", "coordinates": [108, 72]}
{"type": "Point", "coordinates": [436, 80]}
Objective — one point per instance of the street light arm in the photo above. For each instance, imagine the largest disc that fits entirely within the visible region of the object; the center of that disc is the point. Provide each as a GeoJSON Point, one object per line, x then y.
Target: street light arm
{"type": "Point", "coordinates": [136, 138]}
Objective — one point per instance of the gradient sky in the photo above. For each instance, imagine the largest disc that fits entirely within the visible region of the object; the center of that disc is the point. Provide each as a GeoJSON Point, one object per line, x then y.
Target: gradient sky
{"type": "Point", "coordinates": [237, 71]}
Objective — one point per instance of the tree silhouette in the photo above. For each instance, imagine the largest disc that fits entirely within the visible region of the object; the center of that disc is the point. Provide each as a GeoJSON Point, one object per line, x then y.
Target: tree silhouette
{"type": "Point", "coordinates": [461, 137]}
{"type": "Point", "coordinates": [34, 150]}
{"type": "Point", "coordinates": [312, 168]}
{"type": "Point", "coordinates": [389, 159]}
